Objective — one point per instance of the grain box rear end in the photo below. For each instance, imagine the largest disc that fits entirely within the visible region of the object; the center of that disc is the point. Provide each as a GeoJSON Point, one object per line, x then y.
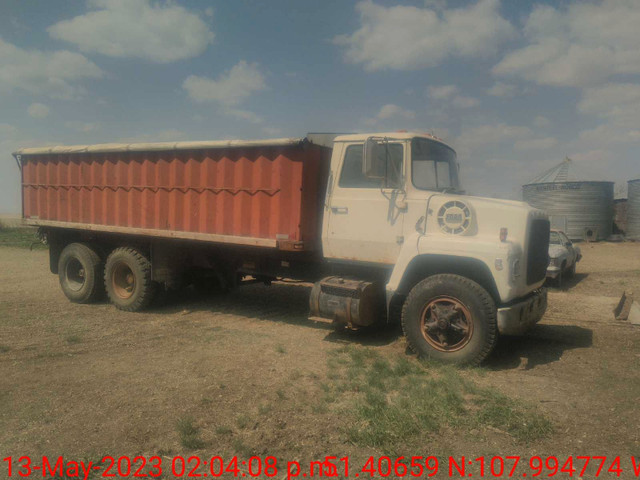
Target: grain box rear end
{"type": "Point", "coordinates": [264, 194]}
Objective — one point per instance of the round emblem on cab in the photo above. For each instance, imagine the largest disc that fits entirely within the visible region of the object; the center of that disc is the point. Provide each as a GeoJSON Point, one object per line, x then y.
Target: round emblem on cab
{"type": "Point", "coordinates": [454, 217]}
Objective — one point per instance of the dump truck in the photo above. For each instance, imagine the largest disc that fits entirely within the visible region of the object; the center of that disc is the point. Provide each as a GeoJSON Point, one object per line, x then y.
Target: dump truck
{"type": "Point", "coordinates": [377, 223]}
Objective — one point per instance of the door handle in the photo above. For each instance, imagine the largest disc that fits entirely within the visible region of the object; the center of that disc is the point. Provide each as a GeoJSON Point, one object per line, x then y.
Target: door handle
{"type": "Point", "coordinates": [341, 210]}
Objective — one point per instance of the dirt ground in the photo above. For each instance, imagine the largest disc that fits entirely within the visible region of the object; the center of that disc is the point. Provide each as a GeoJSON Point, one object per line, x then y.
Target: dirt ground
{"type": "Point", "coordinates": [247, 372]}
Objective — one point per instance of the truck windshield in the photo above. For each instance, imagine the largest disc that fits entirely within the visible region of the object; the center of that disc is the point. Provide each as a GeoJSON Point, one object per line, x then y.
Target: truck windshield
{"type": "Point", "coordinates": [433, 165]}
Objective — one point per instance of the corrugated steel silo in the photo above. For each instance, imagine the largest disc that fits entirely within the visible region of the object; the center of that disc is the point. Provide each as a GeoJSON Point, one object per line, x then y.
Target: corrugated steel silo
{"type": "Point", "coordinates": [633, 210]}
{"type": "Point", "coordinates": [583, 209]}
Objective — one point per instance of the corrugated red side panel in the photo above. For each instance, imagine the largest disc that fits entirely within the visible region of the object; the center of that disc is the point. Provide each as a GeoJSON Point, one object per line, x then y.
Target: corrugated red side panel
{"type": "Point", "coordinates": [260, 192]}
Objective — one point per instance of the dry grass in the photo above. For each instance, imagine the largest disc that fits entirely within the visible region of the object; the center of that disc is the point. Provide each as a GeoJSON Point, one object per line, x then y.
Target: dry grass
{"type": "Point", "coordinates": [216, 381]}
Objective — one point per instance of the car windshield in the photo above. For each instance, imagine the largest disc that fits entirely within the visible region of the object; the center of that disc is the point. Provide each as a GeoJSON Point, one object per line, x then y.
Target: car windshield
{"type": "Point", "coordinates": [433, 165]}
{"type": "Point", "coordinates": [554, 238]}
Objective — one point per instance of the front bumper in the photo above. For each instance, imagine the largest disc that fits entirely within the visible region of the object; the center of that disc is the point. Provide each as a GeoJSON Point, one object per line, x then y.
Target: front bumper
{"type": "Point", "coordinates": [553, 271]}
{"type": "Point", "coordinates": [521, 316]}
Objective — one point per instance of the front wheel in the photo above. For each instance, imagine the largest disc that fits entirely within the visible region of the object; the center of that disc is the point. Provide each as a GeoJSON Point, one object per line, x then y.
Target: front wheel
{"type": "Point", "coordinates": [571, 271]}
{"type": "Point", "coordinates": [127, 278]}
{"type": "Point", "coordinates": [451, 319]}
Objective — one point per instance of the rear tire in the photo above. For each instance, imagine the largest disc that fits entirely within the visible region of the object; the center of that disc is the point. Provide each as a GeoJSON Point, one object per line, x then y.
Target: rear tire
{"type": "Point", "coordinates": [127, 278]}
{"type": "Point", "coordinates": [80, 271]}
{"type": "Point", "coordinates": [451, 319]}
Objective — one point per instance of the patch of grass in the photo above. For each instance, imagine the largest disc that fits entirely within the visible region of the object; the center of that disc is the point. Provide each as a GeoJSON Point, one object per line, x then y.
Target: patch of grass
{"type": "Point", "coordinates": [280, 393]}
{"type": "Point", "coordinates": [281, 349]}
{"type": "Point", "coordinates": [4, 348]}
{"type": "Point", "coordinates": [223, 430]}
{"type": "Point", "coordinates": [398, 401]}
{"type": "Point", "coordinates": [20, 237]}
{"type": "Point", "coordinates": [73, 339]}
{"type": "Point", "coordinates": [243, 420]}
{"type": "Point", "coordinates": [242, 448]}
{"type": "Point", "coordinates": [506, 414]}
{"type": "Point", "coordinates": [189, 434]}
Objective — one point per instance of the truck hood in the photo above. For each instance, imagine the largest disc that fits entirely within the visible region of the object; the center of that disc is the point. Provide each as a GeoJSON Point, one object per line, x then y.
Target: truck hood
{"type": "Point", "coordinates": [487, 216]}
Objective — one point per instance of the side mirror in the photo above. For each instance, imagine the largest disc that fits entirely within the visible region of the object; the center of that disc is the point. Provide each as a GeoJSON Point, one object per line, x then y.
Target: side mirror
{"type": "Point", "coordinates": [373, 163]}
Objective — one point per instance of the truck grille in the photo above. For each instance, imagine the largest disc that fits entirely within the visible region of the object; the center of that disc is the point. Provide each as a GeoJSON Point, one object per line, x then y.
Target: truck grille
{"type": "Point", "coordinates": [538, 254]}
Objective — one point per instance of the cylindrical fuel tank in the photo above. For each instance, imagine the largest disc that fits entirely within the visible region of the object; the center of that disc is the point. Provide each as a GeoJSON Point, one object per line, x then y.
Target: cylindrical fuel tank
{"type": "Point", "coordinates": [347, 301]}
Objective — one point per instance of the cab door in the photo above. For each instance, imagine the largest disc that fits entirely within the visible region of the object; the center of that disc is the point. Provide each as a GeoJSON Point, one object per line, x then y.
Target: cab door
{"type": "Point", "coordinates": [363, 222]}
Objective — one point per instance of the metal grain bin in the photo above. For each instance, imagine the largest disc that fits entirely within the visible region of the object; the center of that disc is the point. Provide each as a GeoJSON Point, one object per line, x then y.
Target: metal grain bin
{"type": "Point", "coordinates": [584, 210]}
{"type": "Point", "coordinates": [633, 210]}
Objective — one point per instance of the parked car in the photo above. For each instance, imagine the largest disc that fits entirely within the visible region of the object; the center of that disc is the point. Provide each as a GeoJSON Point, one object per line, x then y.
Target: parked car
{"type": "Point", "coordinates": [563, 256]}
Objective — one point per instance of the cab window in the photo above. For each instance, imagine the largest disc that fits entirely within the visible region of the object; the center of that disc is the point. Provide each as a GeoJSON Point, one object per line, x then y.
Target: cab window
{"type": "Point", "coordinates": [353, 177]}
{"type": "Point", "coordinates": [433, 165]}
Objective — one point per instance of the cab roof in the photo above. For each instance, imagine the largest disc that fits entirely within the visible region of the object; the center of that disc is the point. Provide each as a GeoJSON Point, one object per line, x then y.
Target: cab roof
{"type": "Point", "coordinates": [361, 137]}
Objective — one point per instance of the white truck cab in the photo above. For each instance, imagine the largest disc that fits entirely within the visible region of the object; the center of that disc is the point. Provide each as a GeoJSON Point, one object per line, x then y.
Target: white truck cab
{"type": "Point", "coordinates": [464, 268]}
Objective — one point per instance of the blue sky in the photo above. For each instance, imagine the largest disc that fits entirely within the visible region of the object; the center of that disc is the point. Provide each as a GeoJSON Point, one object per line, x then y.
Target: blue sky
{"type": "Point", "coordinates": [513, 86]}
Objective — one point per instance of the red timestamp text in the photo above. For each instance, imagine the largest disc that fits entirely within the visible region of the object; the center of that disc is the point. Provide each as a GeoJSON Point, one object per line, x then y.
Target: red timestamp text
{"type": "Point", "coordinates": [508, 466]}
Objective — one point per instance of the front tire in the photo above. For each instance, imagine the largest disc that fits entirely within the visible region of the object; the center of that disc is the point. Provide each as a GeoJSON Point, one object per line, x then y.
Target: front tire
{"type": "Point", "coordinates": [80, 273]}
{"type": "Point", "coordinates": [451, 319]}
{"type": "Point", "coordinates": [571, 271]}
{"type": "Point", "coordinates": [127, 278]}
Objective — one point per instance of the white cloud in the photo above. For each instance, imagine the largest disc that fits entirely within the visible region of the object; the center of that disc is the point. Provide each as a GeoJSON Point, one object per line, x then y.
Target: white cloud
{"type": "Point", "coordinates": [170, 135]}
{"type": "Point", "coordinates": [492, 135]}
{"type": "Point", "coordinates": [450, 93]}
{"type": "Point", "coordinates": [504, 90]}
{"type": "Point", "coordinates": [619, 103]}
{"type": "Point", "coordinates": [230, 88]}
{"type": "Point", "coordinates": [497, 139]}
{"type": "Point", "coordinates": [541, 121]}
{"type": "Point", "coordinates": [272, 131]}
{"type": "Point", "coordinates": [7, 131]}
{"type": "Point", "coordinates": [38, 110]}
{"type": "Point", "coordinates": [391, 111]}
{"type": "Point", "coordinates": [244, 115]}
{"type": "Point", "coordinates": [460, 101]}
{"type": "Point", "coordinates": [409, 38]}
{"type": "Point", "coordinates": [160, 33]}
{"type": "Point", "coordinates": [83, 127]}
{"type": "Point", "coordinates": [608, 134]}
{"type": "Point", "coordinates": [55, 74]}
{"type": "Point", "coordinates": [582, 44]}
{"type": "Point", "coordinates": [442, 92]}
{"type": "Point", "coordinates": [536, 143]}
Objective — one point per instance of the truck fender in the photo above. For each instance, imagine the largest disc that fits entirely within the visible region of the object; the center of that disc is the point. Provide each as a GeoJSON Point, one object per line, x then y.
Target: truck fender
{"type": "Point", "coordinates": [413, 265]}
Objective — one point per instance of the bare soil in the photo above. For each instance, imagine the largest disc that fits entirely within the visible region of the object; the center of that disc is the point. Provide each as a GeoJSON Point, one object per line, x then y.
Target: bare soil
{"type": "Point", "coordinates": [249, 371]}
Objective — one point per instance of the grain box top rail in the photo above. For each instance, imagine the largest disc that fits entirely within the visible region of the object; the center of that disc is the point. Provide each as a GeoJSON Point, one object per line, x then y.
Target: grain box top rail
{"type": "Point", "coordinates": [160, 146]}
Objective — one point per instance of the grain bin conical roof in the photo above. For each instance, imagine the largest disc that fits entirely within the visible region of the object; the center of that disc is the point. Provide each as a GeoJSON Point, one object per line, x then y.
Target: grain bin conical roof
{"type": "Point", "coordinates": [565, 171]}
